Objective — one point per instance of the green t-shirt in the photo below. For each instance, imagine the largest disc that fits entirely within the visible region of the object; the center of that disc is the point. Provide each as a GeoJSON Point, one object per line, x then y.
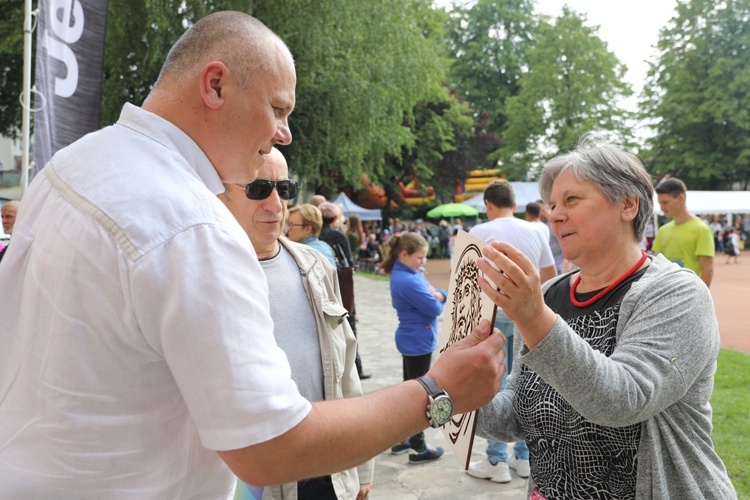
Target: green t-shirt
{"type": "Point", "coordinates": [684, 243]}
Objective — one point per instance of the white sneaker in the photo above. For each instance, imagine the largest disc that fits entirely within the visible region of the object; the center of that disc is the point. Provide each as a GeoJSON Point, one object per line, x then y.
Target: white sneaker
{"type": "Point", "coordinates": [521, 466]}
{"type": "Point", "coordinates": [483, 469]}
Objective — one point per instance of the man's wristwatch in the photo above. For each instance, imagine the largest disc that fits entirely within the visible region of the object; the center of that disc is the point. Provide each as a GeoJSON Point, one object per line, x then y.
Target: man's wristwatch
{"type": "Point", "coordinates": [440, 405]}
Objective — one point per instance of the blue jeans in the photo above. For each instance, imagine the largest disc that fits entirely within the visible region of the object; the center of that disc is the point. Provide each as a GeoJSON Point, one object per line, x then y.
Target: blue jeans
{"type": "Point", "coordinates": [496, 451]}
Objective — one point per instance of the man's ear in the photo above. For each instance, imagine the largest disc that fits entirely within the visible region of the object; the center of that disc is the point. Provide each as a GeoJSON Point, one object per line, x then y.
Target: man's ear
{"type": "Point", "coordinates": [212, 79]}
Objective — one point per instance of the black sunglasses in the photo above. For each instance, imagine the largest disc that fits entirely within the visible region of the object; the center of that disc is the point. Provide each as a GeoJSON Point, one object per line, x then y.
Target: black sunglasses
{"type": "Point", "coordinates": [260, 189]}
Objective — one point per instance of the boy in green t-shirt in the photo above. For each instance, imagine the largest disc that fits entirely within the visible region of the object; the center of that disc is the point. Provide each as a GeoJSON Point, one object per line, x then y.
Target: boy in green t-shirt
{"type": "Point", "coordinates": [686, 239]}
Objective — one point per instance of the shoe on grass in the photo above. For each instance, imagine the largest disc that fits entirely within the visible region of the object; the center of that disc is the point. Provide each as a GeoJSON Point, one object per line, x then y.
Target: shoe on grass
{"type": "Point", "coordinates": [520, 466]}
{"type": "Point", "coordinates": [428, 455]}
{"type": "Point", "coordinates": [483, 469]}
{"type": "Point", "coordinates": [401, 448]}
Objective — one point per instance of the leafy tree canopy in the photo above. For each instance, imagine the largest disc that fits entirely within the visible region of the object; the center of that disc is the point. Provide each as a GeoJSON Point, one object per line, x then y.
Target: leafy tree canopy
{"type": "Point", "coordinates": [11, 66]}
{"type": "Point", "coordinates": [698, 95]}
{"type": "Point", "coordinates": [138, 37]}
{"type": "Point", "coordinates": [571, 86]}
{"type": "Point", "coordinates": [362, 66]}
{"type": "Point", "coordinates": [488, 42]}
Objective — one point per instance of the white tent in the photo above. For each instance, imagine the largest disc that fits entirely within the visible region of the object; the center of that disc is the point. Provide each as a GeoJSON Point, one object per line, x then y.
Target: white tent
{"type": "Point", "coordinates": [698, 202]}
{"type": "Point", "coordinates": [352, 208]}
{"type": "Point", "coordinates": [525, 193]}
{"type": "Point", "coordinates": [714, 202]}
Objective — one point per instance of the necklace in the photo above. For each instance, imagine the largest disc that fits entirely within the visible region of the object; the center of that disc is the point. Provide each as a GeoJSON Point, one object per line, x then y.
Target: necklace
{"type": "Point", "coordinates": [611, 287]}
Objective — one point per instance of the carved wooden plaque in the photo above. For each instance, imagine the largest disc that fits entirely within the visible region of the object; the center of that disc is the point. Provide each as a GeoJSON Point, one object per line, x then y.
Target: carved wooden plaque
{"type": "Point", "coordinates": [465, 306]}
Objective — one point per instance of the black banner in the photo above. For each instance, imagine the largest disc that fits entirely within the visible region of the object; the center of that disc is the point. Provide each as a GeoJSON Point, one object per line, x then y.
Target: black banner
{"type": "Point", "coordinates": [69, 54]}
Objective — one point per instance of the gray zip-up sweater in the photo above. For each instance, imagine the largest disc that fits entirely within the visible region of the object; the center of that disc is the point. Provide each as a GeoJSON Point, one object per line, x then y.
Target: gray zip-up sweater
{"type": "Point", "coordinates": [660, 374]}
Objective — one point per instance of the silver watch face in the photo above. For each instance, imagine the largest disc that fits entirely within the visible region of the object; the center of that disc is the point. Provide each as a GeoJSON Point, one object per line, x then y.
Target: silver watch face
{"type": "Point", "coordinates": [441, 410]}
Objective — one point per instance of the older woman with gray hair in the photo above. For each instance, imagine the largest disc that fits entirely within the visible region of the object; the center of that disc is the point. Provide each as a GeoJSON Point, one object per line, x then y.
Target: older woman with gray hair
{"type": "Point", "coordinates": [617, 358]}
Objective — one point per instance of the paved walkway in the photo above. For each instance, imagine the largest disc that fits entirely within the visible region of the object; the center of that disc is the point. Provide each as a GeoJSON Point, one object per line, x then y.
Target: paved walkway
{"type": "Point", "coordinates": [730, 290]}
{"type": "Point", "coordinates": [394, 477]}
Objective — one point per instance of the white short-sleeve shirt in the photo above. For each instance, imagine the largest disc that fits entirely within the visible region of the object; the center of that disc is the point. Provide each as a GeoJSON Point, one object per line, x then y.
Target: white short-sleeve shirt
{"type": "Point", "coordinates": [542, 227]}
{"type": "Point", "coordinates": [135, 335]}
{"type": "Point", "coordinates": [523, 235]}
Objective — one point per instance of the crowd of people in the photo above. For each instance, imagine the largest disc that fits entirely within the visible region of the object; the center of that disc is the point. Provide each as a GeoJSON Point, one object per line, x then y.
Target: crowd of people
{"type": "Point", "coordinates": [729, 238]}
{"type": "Point", "coordinates": [369, 240]}
{"type": "Point", "coordinates": [165, 348]}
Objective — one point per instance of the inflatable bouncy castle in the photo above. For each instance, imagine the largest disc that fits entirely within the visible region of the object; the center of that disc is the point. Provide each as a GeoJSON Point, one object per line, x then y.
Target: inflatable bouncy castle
{"type": "Point", "coordinates": [411, 195]}
{"type": "Point", "coordinates": [475, 183]}
{"type": "Point", "coordinates": [373, 196]}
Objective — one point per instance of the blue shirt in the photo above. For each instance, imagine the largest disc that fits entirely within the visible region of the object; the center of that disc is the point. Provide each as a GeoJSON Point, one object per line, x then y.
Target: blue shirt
{"type": "Point", "coordinates": [417, 311]}
{"type": "Point", "coordinates": [320, 246]}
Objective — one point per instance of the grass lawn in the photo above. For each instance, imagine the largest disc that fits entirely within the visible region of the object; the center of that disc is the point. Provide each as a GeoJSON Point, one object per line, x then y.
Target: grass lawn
{"type": "Point", "coordinates": [731, 405]}
{"type": "Point", "coordinates": [375, 276]}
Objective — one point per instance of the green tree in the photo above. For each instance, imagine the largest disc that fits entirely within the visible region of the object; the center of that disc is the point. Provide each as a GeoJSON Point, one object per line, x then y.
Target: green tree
{"type": "Point", "coordinates": [488, 42]}
{"type": "Point", "coordinates": [571, 86]}
{"type": "Point", "coordinates": [439, 123]}
{"type": "Point", "coordinates": [11, 66]}
{"type": "Point", "coordinates": [138, 37]}
{"type": "Point", "coordinates": [471, 150]}
{"type": "Point", "coordinates": [698, 95]}
{"type": "Point", "coordinates": [362, 66]}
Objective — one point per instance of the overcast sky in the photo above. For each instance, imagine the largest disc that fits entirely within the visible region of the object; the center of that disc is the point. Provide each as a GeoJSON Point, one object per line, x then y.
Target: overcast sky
{"type": "Point", "coordinates": [630, 27]}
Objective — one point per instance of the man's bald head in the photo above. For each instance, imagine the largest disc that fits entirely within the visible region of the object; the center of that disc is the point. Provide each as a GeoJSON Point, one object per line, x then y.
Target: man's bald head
{"type": "Point", "coordinates": [238, 40]}
{"type": "Point", "coordinates": [317, 200]}
{"type": "Point", "coordinates": [229, 84]}
{"type": "Point", "coordinates": [277, 162]}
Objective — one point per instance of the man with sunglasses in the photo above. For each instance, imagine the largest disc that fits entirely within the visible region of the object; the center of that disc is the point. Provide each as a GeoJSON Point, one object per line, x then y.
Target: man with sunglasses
{"type": "Point", "coordinates": [137, 359]}
{"type": "Point", "coordinates": [307, 313]}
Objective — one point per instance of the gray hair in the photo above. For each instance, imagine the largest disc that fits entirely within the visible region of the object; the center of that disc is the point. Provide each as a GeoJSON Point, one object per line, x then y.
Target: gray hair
{"type": "Point", "coordinates": [238, 40]}
{"type": "Point", "coordinates": [330, 212]}
{"type": "Point", "coordinates": [10, 204]}
{"type": "Point", "coordinates": [617, 175]}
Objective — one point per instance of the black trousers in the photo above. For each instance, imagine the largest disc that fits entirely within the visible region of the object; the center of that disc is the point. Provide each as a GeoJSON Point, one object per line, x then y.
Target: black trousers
{"type": "Point", "coordinates": [357, 360]}
{"type": "Point", "coordinates": [317, 488]}
{"type": "Point", "coordinates": [416, 366]}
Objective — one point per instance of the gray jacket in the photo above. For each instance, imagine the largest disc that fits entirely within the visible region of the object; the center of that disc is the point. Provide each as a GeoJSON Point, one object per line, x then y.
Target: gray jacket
{"type": "Point", "coordinates": [661, 374]}
{"type": "Point", "coordinates": [337, 348]}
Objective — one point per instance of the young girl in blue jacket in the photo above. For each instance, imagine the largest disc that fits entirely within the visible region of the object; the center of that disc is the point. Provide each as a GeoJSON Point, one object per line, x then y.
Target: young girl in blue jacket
{"type": "Point", "coordinates": [418, 306]}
